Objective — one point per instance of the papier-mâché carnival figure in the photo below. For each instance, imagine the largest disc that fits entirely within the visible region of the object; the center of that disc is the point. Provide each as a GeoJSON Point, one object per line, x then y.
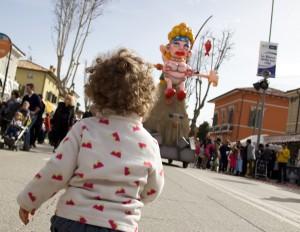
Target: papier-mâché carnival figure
{"type": "Point", "coordinates": [175, 68]}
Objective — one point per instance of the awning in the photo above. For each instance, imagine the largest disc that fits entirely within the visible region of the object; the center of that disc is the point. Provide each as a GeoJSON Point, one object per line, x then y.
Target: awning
{"type": "Point", "coordinates": [282, 138]}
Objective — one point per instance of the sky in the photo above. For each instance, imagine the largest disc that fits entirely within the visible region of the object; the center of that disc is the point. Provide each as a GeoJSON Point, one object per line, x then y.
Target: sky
{"type": "Point", "coordinates": [143, 25]}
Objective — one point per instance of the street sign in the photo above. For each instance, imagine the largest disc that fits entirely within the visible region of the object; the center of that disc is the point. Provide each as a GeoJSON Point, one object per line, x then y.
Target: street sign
{"type": "Point", "coordinates": [5, 45]}
{"type": "Point", "coordinates": [267, 59]}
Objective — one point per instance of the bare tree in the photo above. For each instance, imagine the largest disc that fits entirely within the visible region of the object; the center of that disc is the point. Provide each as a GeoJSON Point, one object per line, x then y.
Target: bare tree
{"type": "Point", "coordinates": [201, 63]}
{"type": "Point", "coordinates": [73, 19]}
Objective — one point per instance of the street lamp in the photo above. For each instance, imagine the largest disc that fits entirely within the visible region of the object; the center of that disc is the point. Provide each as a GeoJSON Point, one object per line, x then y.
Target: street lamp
{"type": "Point", "coordinates": [263, 84]}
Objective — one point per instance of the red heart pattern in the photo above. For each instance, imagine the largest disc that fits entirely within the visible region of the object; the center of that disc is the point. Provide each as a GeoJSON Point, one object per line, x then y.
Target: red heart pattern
{"type": "Point", "coordinates": [88, 185]}
{"type": "Point", "coordinates": [66, 139]}
{"type": "Point", "coordinates": [126, 171]}
{"type": "Point", "coordinates": [70, 202]}
{"type": "Point", "coordinates": [104, 121]}
{"type": "Point", "coordinates": [59, 156]}
{"type": "Point", "coordinates": [116, 136]}
{"type": "Point", "coordinates": [148, 164]}
{"type": "Point", "coordinates": [87, 145]}
{"type": "Point", "coordinates": [82, 220]}
{"type": "Point", "coordinates": [84, 127]}
{"type": "Point", "coordinates": [99, 207]}
{"type": "Point", "coordinates": [32, 197]}
{"type": "Point", "coordinates": [38, 176]}
{"type": "Point", "coordinates": [116, 154]}
{"type": "Point", "coordinates": [136, 128]}
{"type": "Point", "coordinates": [128, 212]}
{"type": "Point", "coordinates": [113, 225]}
{"type": "Point", "coordinates": [142, 145]}
{"type": "Point", "coordinates": [137, 183]}
{"type": "Point", "coordinates": [98, 165]}
{"type": "Point", "coordinates": [120, 191]}
{"type": "Point", "coordinates": [151, 192]}
{"type": "Point", "coordinates": [79, 174]}
{"type": "Point", "coordinates": [57, 177]}
{"type": "Point", "coordinates": [126, 202]}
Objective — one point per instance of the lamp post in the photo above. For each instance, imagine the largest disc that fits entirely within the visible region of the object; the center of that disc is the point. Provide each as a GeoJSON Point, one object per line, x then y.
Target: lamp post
{"type": "Point", "coordinates": [266, 74]}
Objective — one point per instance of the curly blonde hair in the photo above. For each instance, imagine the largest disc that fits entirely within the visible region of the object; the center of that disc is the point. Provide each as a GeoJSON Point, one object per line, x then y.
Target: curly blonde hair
{"type": "Point", "coordinates": [121, 82]}
{"type": "Point", "coordinates": [181, 29]}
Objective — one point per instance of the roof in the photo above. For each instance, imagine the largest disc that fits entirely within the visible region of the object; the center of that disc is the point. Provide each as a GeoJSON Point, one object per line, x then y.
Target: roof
{"type": "Point", "coordinates": [269, 91]}
{"type": "Point", "coordinates": [293, 90]}
{"type": "Point", "coordinates": [19, 50]}
{"type": "Point", "coordinates": [27, 64]}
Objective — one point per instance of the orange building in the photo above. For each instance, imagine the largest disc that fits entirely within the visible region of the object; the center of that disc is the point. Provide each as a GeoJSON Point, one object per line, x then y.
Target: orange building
{"type": "Point", "coordinates": [235, 115]}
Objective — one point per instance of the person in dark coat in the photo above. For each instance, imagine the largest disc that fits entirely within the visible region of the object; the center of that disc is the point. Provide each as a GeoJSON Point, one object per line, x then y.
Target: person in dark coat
{"type": "Point", "coordinates": [62, 121]}
{"type": "Point", "coordinates": [35, 108]}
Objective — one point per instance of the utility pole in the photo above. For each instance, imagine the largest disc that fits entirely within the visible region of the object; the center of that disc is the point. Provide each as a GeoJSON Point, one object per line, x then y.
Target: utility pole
{"type": "Point", "coordinates": [265, 75]}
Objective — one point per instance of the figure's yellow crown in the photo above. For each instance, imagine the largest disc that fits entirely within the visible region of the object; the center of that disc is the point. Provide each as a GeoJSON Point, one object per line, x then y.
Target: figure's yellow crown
{"type": "Point", "coordinates": [181, 29]}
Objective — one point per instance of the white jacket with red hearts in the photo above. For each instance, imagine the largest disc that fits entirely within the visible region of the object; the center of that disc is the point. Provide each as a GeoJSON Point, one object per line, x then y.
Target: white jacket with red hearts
{"type": "Point", "coordinates": [110, 167]}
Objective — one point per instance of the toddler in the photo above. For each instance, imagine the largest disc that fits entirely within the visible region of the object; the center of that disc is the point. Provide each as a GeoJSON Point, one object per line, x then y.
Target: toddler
{"type": "Point", "coordinates": [15, 125]}
{"type": "Point", "coordinates": [109, 165]}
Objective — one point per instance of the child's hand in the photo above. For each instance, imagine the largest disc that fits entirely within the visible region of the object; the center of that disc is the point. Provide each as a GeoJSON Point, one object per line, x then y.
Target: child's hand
{"type": "Point", "coordinates": [24, 215]}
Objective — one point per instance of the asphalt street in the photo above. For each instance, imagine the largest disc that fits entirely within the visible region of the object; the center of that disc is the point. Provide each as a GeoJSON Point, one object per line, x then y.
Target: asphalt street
{"type": "Point", "coordinates": [192, 201]}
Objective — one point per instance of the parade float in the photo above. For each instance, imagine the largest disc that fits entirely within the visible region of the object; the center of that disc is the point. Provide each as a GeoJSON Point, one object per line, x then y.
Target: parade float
{"type": "Point", "coordinates": [168, 121]}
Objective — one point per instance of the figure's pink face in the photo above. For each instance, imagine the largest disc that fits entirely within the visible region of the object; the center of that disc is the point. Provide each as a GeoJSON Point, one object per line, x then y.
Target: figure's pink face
{"type": "Point", "coordinates": [180, 49]}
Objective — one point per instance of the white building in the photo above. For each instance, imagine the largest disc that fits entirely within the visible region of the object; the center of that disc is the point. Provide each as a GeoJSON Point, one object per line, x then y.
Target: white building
{"type": "Point", "coordinates": [11, 83]}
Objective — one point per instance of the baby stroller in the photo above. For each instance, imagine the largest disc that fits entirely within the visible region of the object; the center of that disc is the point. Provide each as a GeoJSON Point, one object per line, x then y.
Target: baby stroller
{"type": "Point", "coordinates": [14, 134]}
{"type": "Point", "coordinates": [13, 142]}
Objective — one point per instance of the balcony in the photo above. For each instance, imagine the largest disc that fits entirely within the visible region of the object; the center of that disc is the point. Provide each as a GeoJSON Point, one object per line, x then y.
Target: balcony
{"type": "Point", "coordinates": [222, 128]}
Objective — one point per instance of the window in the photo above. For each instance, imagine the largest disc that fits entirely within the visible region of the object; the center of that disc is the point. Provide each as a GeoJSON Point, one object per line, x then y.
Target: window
{"type": "Point", "coordinates": [51, 97]}
{"type": "Point", "coordinates": [30, 75]}
{"type": "Point", "coordinates": [223, 116]}
{"type": "Point", "coordinates": [215, 119]}
{"type": "Point", "coordinates": [254, 117]}
{"type": "Point", "coordinates": [230, 115]}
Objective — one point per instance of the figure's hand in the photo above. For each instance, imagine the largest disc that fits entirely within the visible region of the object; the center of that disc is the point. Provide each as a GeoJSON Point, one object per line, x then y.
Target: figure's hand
{"type": "Point", "coordinates": [24, 215]}
{"type": "Point", "coordinates": [159, 66]}
{"type": "Point", "coordinates": [213, 78]}
{"type": "Point", "coordinates": [189, 72]}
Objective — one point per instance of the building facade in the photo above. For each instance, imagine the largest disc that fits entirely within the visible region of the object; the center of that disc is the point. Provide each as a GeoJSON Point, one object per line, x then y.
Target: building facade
{"type": "Point", "coordinates": [11, 83]}
{"type": "Point", "coordinates": [236, 114]}
{"type": "Point", "coordinates": [293, 123]}
{"type": "Point", "coordinates": [44, 80]}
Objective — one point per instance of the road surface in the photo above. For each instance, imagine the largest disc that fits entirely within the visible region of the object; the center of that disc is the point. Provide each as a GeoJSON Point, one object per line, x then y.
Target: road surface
{"type": "Point", "coordinates": [192, 201]}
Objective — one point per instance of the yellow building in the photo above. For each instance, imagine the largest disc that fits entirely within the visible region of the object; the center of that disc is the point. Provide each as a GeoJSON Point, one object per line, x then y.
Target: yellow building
{"type": "Point", "coordinates": [44, 80]}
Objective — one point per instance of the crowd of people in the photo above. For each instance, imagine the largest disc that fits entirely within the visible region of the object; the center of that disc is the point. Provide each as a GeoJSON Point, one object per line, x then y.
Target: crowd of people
{"type": "Point", "coordinates": [28, 114]}
{"type": "Point", "coordinates": [242, 159]}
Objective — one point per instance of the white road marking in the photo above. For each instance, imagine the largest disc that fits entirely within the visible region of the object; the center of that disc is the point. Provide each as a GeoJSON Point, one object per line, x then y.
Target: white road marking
{"type": "Point", "coordinates": [280, 213]}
